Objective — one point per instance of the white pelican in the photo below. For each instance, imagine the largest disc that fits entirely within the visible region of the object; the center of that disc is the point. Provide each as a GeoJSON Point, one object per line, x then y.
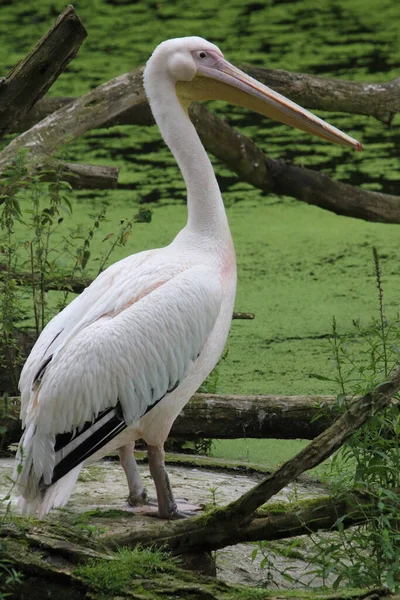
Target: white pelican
{"type": "Point", "coordinates": [122, 360]}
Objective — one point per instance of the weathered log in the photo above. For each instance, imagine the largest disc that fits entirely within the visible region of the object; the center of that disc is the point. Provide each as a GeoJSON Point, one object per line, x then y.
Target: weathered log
{"type": "Point", "coordinates": [379, 100]}
{"type": "Point", "coordinates": [241, 155]}
{"type": "Point", "coordinates": [139, 114]}
{"type": "Point", "coordinates": [73, 120]}
{"type": "Point", "coordinates": [230, 417]}
{"type": "Point", "coordinates": [276, 521]}
{"type": "Point", "coordinates": [213, 529]}
{"type": "Point", "coordinates": [268, 416]}
{"type": "Point", "coordinates": [52, 558]}
{"type": "Point", "coordinates": [79, 176]}
{"type": "Point", "coordinates": [30, 79]}
{"type": "Point", "coordinates": [237, 151]}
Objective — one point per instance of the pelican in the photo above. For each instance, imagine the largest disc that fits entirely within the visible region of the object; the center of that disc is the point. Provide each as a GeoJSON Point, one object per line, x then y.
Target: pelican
{"type": "Point", "coordinates": [120, 362]}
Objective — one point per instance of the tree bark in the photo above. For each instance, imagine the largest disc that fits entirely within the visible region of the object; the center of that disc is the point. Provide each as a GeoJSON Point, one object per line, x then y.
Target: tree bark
{"type": "Point", "coordinates": [231, 417]}
{"type": "Point", "coordinates": [30, 79]}
{"type": "Point", "coordinates": [379, 100]}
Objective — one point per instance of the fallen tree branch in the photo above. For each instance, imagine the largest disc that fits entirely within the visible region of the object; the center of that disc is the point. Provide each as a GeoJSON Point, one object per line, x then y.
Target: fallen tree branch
{"type": "Point", "coordinates": [139, 114]}
{"type": "Point", "coordinates": [276, 522]}
{"type": "Point", "coordinates": [73, 120]}
{"type": "Point", "coordinates": [30, 79]}
{"type": "Point", "coordinates": [241, 155]}
{"type": "Point", "coordinates": [379, 100]}
{"type": "Point", "coordinates": [234, 149]}
{"type": "Point", "coordinates": [358, 413]}
{"type": "Point", "coordinates": [214, 530]}
{"type": "Point", "coordinates": [79, 176]}
{"type": "Point", "coordinates": [49, 553]}
{"type": "Point", "coordinates": [231, 417]}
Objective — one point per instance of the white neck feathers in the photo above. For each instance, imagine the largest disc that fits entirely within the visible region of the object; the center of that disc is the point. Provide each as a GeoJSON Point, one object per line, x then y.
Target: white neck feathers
{"type": "Point", "coordinates": [206, 212]}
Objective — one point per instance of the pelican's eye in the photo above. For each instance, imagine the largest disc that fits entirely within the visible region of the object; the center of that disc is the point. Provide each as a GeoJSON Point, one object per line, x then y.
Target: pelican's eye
{"type": "Point", "coordinates": [202, 54]}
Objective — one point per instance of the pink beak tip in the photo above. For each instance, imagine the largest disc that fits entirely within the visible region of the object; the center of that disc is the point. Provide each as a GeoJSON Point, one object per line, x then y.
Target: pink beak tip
{"type": "Point", "coordinates": [358, 147]}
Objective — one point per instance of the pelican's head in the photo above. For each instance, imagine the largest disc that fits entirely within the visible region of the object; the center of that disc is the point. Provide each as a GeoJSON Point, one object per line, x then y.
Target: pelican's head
{"type": "Point", "coordinates": [200, 72]}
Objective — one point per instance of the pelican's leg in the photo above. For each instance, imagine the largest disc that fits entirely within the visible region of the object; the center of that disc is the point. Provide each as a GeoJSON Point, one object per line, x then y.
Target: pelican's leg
{"type": "Point", "coordinates": [137, 491]}
{"type": "Point", "coordinates": [167, 507]}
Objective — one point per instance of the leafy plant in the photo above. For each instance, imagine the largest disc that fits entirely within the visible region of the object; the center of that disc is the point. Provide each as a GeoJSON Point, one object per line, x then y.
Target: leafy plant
{"type": "Point", "coordinates": [369, 461]}
{"type": "Point", "coordinates": [40, 252]}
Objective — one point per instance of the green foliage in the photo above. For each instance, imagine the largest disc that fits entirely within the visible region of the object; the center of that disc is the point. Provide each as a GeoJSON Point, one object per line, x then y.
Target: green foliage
{"type": "Point", "coordinates": [113, 576]}
{"type": "Point", "coordinates": [42, 249]}
{"type": "Point", "coordinates": [369, 461]}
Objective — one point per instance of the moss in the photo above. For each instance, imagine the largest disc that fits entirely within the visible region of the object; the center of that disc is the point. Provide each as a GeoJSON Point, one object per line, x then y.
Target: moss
{"type": "Point", "coordinates": [127, 566]}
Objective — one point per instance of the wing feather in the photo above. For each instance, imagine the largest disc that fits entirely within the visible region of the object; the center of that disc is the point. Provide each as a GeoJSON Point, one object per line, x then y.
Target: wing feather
{"type": "Point", "coordinates": [130, 356]}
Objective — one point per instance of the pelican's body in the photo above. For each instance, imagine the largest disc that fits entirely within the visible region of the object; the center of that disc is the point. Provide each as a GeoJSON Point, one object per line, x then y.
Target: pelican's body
{"type": "Point", "coordinates": [121, 361]}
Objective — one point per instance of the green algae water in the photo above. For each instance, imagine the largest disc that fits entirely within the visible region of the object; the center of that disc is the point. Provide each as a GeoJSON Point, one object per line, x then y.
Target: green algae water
{"type": "Point", "coordinates": [298, 266]}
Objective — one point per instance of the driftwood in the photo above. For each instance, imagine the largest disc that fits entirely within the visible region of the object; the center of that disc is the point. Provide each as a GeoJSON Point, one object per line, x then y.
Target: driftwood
{"type": "Point", "coordinates": [214, 530]}
{"type": "Point", "coordinates": [122, 100]}
{"type": "Point", "coordinates": [49, 556]}
{"type": "Point", "coordinates": [379, 100]}
{"type": "Point", "coordinates": [30, 79]}
{"type": "Point", "coordinates": [28, 82]}
{"type": "Point", "coordinates": [230, 417]}
{"type": "Point", "coordinates": [79, 176]}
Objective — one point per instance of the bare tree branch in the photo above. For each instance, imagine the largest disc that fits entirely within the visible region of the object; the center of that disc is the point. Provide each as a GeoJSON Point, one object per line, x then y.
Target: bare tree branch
{"type": "Point", "coordinates": [79, 176]}
{"type": "Point", "coordinates": [237, 151]}
{"type": "Point", "coordinates": [276, 522]}
{"type": "Point", "coordinates": [215, 529]}
{"type": "Point", "coordinates": [379, 100]}
{"type": "Point", "coordinates": [30, 79]}
{"type": "Point", "coordinates": [241, 155]}
{"type": "Point", "coordinates": [73, 120]}
{"type": "Point", "coordinates": [320, 448]}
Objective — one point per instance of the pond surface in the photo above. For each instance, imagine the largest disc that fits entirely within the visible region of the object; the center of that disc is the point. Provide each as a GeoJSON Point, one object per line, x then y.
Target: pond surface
{"type": "Point", "coordinates": [298, 265]}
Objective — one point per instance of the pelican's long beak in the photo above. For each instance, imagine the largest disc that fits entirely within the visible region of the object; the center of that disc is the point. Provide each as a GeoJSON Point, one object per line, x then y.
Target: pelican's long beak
{"type": "Point", "coordinates": [223, 81]}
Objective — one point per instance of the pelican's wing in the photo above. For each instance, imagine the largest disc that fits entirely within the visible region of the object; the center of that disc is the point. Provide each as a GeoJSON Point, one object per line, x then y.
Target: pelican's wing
{"type": "Point", "coordinates": [110, 372]}
{"type": "Point", "coordinates": [128, 276]}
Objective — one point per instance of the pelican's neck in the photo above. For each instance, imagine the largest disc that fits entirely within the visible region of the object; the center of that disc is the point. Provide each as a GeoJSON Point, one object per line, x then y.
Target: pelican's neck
{"type": "Point", "coordinates": [206, 212]}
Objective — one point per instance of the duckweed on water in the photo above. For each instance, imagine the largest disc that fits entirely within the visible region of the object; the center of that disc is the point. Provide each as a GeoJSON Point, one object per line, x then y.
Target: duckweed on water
{"type": "Point", "coordinates": [298, 265]}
